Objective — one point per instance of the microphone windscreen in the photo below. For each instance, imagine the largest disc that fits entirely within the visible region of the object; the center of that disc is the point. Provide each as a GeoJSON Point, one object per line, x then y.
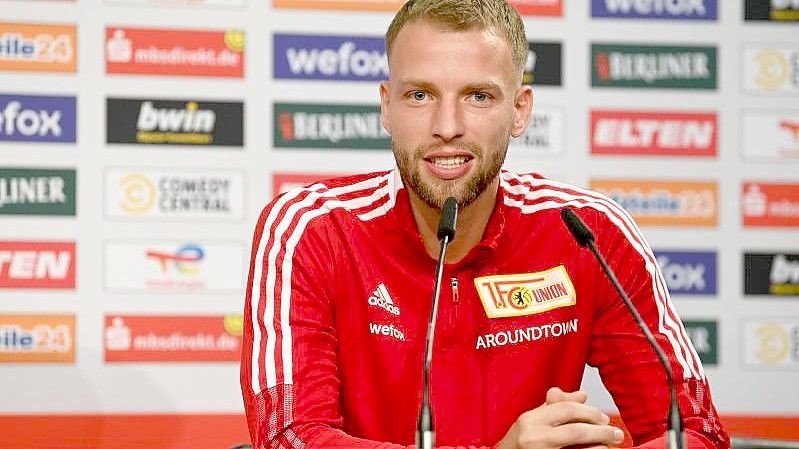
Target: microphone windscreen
{"type": "Point", "coordinates": [449, 216]}
{"type": "Point", "coordinates": [577, 227]}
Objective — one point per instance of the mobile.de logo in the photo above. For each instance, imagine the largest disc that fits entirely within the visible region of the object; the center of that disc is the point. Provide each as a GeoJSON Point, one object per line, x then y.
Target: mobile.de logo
{"type": "Point", "coordinates": [33, 118]}
{"type": "Point", "coordinates": [329, 57]}
{"type": "Point", "coordinates": [655, 9]}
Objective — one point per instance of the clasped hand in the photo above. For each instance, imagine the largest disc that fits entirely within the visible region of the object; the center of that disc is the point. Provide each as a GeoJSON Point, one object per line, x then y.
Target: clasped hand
{"type": "Point", "coordinates": [563, 420]}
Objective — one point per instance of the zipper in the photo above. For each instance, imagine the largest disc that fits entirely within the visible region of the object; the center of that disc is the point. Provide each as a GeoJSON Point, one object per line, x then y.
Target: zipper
{"type": "Point", "coordinates": [454, 284]}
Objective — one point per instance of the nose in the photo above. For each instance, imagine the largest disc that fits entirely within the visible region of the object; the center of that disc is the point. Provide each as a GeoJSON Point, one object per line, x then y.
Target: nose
{"type": "Point", "coordinates": [447, 120]}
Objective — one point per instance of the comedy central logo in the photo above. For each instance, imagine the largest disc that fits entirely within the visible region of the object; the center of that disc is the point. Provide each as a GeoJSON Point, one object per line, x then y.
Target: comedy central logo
{"type": "Point", "coordinates": [773, 69]}
{"type": "Point", "coordinates": [184, 260]}
{"type": "Point", "coordinates": [525, 294]}
{"type": "Point", "coordinates": [774, 343]}
{"type": "Point", "coordinates": [138, 193]}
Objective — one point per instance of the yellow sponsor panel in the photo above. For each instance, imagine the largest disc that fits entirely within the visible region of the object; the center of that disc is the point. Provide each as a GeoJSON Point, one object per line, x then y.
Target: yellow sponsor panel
{"type": "Point", "coordinates": [37, 338]}
{"type": "Point", "coordinates": [666, 203]}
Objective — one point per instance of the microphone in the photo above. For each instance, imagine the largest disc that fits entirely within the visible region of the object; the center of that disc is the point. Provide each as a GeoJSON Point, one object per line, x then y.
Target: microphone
{"type": "Point", "coordinates": [425, 433]}
{"type": "Point", "coordinates": [675, 435]}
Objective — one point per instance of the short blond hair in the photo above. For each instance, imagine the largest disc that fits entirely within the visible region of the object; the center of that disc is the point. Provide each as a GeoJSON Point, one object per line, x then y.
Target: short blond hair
{"type": "Point", "coordinates": [496, 15]}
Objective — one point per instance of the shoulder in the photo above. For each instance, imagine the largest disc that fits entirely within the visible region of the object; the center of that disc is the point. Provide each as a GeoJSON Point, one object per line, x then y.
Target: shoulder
{"type": "Point", "coordinates": [356, 195]}
{"type": "Point", "coordinates": [532, 193]}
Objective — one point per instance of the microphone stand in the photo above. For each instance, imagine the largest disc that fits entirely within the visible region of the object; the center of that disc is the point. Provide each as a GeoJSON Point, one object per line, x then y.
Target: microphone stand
{"type": "Point", "coordinates": [675, 435]}
{"type": "Point", "coordinates": [425, 432]}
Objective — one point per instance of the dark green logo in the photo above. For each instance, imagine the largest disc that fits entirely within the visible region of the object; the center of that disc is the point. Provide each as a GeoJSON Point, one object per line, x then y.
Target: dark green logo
{"type": "Point", "coordinates": [704, 337]}
{"type": "Point", "coordinates": [329, 126]}
{"type": "Point", "coordinates": [650, 66]}
{"type": "Point", "coordinates": [37, 191]}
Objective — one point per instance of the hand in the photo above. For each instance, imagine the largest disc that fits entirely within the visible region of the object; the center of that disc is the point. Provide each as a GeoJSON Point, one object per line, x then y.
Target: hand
{"type": "Point", "coordinates": [562, 420]}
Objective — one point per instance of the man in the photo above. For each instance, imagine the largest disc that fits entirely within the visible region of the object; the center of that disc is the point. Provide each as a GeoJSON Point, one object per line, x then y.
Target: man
{"type": "Point", "coordinates": [342, 273]}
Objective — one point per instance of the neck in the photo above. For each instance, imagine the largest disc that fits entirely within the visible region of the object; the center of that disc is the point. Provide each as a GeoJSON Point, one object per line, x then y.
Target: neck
{"type": "Point", "coordinates": [472, 221]}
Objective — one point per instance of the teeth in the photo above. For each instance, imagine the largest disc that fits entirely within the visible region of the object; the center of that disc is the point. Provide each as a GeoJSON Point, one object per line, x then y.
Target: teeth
{"type": "Point", "coordinates": [450, 162]}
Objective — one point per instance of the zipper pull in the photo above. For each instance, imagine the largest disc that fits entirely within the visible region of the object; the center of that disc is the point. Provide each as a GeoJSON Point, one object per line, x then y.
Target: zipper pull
{"type": "Point", "coordinates": [454, 283]}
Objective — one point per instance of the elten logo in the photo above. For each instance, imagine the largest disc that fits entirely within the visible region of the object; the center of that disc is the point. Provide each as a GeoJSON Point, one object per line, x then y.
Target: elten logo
{"type": "Point", "coordinates": [37, 265]}
{"type": "Point", "coordinates": [657, 133]}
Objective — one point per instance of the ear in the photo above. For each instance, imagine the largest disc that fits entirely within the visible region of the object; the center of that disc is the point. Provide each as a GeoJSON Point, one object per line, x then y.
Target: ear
{"type": "Point", "coordinates": [522, 110]}
{"type": "Point", "coordinates": [385, 94]}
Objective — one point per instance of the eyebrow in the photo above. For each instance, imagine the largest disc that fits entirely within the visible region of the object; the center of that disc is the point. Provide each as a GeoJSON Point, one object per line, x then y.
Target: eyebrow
{"type": "Point", "coordinates": [416, 83]}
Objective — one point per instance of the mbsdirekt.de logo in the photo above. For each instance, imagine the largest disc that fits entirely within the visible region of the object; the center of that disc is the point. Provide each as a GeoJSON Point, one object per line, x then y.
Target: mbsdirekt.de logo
{"type": "Point", "coordinates": [35, 118]}
{"type": "Point", "coordinates": [329, 57]}
{"type": "Point", "coordinates": [655, 9]}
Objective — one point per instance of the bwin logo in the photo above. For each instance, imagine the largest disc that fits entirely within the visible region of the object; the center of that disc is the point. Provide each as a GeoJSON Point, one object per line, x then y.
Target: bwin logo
{"type": "Point", "coordinates": [29, 122]}
{"type": "Point", "coordinates": [784, 271]}
{"type": "Point", "coordinates": [348, 59]}
{"type": "Point", "coordinates": [189, 119]}
{"type": "Point", "coordinates": [682, 277]}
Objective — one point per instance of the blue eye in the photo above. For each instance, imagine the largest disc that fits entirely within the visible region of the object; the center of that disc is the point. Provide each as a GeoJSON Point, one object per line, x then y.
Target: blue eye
{"type": "Point", "coordinates": [480, 97]}
{"type": "Point", "coordinates": [418, 95]}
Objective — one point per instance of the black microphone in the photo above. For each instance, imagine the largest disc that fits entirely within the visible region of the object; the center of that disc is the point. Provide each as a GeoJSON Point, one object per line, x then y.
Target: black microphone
{"type": "Point", "coordinates": [425, 433]}
{"type": "Point", "coordinates": [675, 436]}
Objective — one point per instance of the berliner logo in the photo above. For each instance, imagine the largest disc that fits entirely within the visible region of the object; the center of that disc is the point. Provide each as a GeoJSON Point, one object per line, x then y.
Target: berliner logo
{"type": "Point", "coordinates": [525, 294]}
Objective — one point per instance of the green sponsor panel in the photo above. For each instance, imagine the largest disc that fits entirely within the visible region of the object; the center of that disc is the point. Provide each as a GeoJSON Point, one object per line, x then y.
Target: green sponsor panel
{"type": "Point", "coordinates": [653, 66]}
{"type": "Point", "coordinates": [704, 337]}
{"type": "Point", "coordinates": [37, 191]}
{"type": "Point", "coordinates": [329, 126]}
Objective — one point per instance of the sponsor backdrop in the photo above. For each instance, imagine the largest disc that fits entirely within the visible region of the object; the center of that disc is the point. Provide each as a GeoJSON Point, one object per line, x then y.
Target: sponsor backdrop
{"type": "Point", "coordinates": [139, 140]}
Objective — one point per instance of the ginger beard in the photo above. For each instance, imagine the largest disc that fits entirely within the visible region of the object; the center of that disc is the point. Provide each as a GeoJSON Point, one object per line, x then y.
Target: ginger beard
{"type": "Point", "coordinates": [433, 190]}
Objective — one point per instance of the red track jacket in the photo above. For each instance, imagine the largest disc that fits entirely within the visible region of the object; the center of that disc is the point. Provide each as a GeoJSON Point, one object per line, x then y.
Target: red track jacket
{"type": "Point", "coordinates": [339, 295]}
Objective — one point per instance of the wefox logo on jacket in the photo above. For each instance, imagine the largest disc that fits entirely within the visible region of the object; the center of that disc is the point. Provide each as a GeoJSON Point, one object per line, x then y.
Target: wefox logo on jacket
{"type": "Point", "coordinates": [329, 57]}
{"type": "Point", "coordinates": [655, 9]}
{"type": "Point", "coordinates": [35, 118]}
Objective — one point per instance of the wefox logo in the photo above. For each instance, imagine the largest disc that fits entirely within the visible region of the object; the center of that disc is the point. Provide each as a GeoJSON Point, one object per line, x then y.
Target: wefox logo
{"type": "Point", "coordinates": [382, 299]}
{"type": "Point", "coordinates": [689, 273]}
{"type": "Point", "coordinates": [387, 330]}
{"type": "Point", "coordinates": [330, 57]}
{"type": "Point", "coordinates": [37, 118]}
{"type": "Point", "coordinates": [655, 9]}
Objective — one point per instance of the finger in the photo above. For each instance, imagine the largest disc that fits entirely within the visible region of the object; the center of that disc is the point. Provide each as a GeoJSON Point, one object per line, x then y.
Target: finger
{"type": "Point", "coordinates": [583, 433]}
{"type": "Point", "coordinates": [569, 412]}
{"type": "Point", "coordinates": [555, 395]}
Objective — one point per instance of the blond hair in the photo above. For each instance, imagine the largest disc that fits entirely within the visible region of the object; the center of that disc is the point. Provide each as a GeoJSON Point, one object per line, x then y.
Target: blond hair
{"type": "Point", "coordinates": [495, 15]}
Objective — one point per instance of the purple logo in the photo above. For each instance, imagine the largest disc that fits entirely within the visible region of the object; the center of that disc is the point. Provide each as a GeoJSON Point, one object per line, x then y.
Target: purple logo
{"type": "Point", "coordinates": [688, 272]}
{"type": "Point", "coordinates": [329, 57]}
{"type": "Point", "coordinates": [655, 9]}
{"type": "Point", "coordinates": [33, 118]}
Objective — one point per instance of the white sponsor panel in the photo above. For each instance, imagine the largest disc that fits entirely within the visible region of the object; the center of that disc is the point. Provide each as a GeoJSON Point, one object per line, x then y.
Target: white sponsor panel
{"type": "Point", "coordinates": [770, 134]}
{"type": "Point", "coordinates": [543, 136]}
{"type": "Point", "coordinates": [174, 266]}
{"type": "Point", "coordinates": [771, 343]}
{"type": "Point", "coordinates": [174, 194]}
{"type": "Point", "coordinates": [771, 67]}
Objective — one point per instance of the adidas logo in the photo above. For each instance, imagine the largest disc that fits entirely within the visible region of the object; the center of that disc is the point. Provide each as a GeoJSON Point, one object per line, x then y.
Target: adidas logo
{"type": "Point", "coordinates": [382, 299]}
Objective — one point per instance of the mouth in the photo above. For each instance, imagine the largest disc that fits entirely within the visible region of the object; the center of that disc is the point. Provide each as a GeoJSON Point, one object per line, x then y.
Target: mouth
{"type": "Point", "coordinates": [449, 167]}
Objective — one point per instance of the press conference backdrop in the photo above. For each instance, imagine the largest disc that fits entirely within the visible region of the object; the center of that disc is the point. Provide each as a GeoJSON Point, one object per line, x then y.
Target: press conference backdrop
{"type": "Point", "coordinates": [139, 139]}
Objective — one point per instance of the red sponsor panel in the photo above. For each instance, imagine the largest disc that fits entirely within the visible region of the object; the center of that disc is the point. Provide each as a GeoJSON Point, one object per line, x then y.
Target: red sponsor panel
{"type": "Point", "coordinates": [654, 133]}
{"type": "Point", "coordinates": [147, 338]}
{"type": "Point", "coordinates": [551, 8]}
{"type": "Point", "coordinates": [148, 51]}
{"type": "Point", "coordinates": [282, 182]}
{"type": "Point", "coordinates": [770, 204]}
{"type": "Point", "coordinates": [37, 264]}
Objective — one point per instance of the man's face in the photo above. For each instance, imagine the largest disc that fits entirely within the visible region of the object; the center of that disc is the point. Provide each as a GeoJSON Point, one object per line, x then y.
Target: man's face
{"type": "Point", "coordinates": [451, 104]}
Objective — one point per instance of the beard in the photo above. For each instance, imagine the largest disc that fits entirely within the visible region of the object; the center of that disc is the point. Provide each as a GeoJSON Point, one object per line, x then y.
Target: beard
{"type": "Point", "coordinates": [434, 191]}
